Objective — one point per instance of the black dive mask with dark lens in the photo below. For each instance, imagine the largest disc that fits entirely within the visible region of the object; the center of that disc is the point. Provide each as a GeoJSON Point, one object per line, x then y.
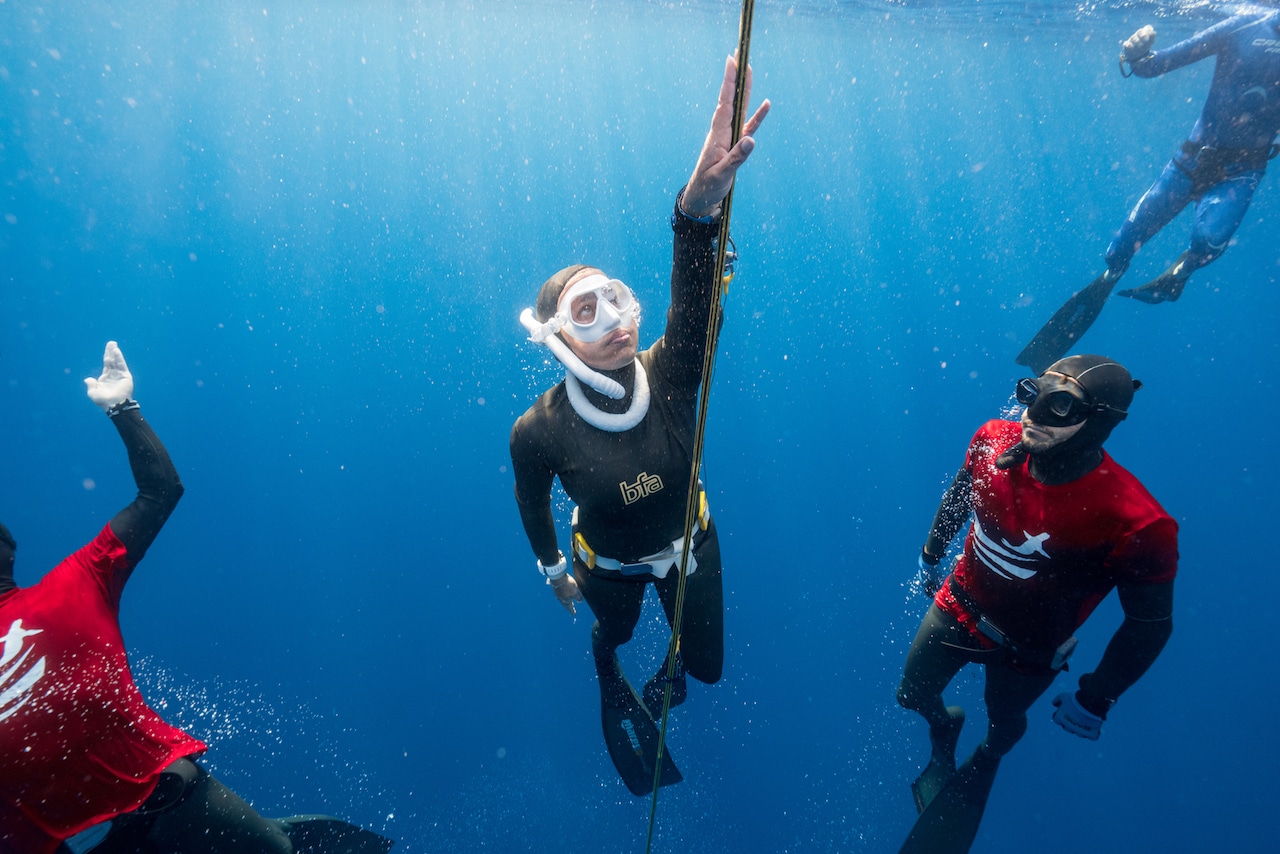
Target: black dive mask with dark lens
{"type": "Point", "coordinates": [1053, 403]}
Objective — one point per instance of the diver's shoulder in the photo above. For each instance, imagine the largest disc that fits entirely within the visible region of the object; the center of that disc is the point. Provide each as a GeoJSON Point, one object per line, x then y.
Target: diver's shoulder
{"type": "Point", "coordinates": [545, 408]}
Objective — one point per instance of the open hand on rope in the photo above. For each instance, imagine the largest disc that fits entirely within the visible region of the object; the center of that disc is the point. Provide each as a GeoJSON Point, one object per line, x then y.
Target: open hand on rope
{"type": "Point", "coordinates": [718, 162]}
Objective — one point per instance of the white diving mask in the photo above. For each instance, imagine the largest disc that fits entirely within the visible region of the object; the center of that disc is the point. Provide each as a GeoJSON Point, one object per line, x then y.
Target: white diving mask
{"type": "Point", "coordinates": [590, 309]}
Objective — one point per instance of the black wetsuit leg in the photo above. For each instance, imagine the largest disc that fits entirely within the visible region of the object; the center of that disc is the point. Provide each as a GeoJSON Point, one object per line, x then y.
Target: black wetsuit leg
{"type": "Point", "coordinates": [941, 647]}
{"type": "Point", "coordinates": [1008, 693]}
{"type": "Point", "coordinates": [702, 623]}
{"type": "Point", "coordinates": [209, 820]}
{"type": "Point", "coordinates": [616, 602]}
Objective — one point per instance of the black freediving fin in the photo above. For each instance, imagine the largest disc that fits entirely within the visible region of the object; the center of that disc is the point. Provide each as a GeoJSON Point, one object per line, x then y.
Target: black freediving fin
{"type": "Point", "coordinates": [1068, 323]}
{"type": "Point", "coordinates": [950, 821]}
{"type": "Point", "coordinates": [324, 834]}
{"type": "Point", "coordinates": [1166, 287]}
{"type": "Point", "coordinates": [632, 738]}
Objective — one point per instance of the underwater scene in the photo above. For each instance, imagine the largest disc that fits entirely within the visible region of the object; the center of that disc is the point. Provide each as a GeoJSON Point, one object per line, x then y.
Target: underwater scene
{"type": "Point", "coordinates": [312, 227]}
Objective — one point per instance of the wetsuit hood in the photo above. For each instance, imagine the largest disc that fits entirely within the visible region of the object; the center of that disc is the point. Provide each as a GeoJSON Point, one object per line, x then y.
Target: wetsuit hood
{"type": "Point", "coordinates": [1107, 382]}
{"type": "Point", "coordinates": [549, 294]}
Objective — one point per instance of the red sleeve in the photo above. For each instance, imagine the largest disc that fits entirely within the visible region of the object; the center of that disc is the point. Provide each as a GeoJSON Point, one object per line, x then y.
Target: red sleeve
{"type": "Point", "coordinates": [992, 439]}
{"type": "Point", "coordinates": [1149, 555]}
{"type": "Point", "coordinates": [103, 560]}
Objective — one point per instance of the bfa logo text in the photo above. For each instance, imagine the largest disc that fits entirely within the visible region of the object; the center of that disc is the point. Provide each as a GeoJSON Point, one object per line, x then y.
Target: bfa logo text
{"type": "Point", "coordinates": [646, 484]}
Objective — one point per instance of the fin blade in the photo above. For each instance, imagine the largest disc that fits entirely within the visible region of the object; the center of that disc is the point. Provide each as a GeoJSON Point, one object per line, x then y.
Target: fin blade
{"type": "Point", "coordinates": [632, 739]}
{"type": "Point", "coordinates": [1067, 325]}
{"type": "Point", "coordinates": [949, 823]}
{"type": "Point", "coordinates": [322, 833]}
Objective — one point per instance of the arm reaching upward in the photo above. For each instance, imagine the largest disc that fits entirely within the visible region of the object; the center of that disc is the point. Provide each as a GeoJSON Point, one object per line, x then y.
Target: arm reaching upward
{"type": "Point", "coordinates": [159, 486]}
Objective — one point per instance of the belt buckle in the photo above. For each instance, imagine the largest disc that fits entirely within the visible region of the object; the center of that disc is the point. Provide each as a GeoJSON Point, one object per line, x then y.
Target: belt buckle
{"type": "Point", "coordinates": [635, 568]}
{"type": "Point", "coordinates": [988, 630]}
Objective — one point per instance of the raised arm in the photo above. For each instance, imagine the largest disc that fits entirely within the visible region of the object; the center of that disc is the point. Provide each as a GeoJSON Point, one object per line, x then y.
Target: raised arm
{"type": "Point", "coordinates": [695, 222]}
{"type": "Point", "coordinates": [1137, 54]}
{"type": "Point", "coordinates": [953, 510]}
{"type": "Point", "coordinates": [159, 487]}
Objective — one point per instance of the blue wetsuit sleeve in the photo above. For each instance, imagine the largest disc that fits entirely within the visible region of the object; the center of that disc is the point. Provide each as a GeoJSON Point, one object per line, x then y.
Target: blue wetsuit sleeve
{"type": "Point", "coordinates": [1205, 43]}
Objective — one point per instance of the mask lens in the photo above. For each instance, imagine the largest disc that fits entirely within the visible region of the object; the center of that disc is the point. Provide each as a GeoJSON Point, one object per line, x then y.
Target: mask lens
{"type": "Point", "coordinates": [616, 294]}
{"type": "Point", "coordinates": [595, 307]}
{"type": "Point", "coordinates": [1057, 406]}
{"type": "Point", "coordinates": [582, 311]}
{"type": "Point", "coordinates": [1061, 404]}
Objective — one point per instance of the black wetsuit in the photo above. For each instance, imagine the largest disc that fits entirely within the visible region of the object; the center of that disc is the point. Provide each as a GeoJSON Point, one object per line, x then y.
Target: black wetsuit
{"type": "Point", "coordinates": [631, 487]}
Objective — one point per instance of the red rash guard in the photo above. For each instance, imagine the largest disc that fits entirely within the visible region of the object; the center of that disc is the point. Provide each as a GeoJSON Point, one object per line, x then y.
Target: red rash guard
{"type": "Point", "coordinates": [78, 744]}
{"type": "Point", "coordinates": [1038, 559]}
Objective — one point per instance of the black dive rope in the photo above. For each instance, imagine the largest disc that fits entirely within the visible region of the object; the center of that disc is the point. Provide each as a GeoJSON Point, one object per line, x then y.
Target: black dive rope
{"type": "Point", "coordinates": [693, 499]}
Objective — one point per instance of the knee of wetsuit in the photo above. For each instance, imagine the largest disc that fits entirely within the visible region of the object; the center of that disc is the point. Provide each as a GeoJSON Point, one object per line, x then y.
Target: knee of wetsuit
{"type": "Point", "coordinates": [909, 697]}
{"type": "Point", "coordinates": [1004, 733]}
{"type": "Point", "coordinates": [605, 641]}
{"type": "Point", "coordinates": [708, 673]}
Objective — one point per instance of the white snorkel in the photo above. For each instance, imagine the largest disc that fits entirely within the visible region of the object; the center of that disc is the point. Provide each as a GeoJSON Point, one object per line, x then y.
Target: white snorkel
{"type": "Point", "coordinates": [575, 366]}
{"type": "Point", "coordinates": [606, 304]}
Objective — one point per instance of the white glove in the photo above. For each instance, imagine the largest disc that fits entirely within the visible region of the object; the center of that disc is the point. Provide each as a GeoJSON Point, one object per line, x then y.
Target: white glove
{"type": "Point", "coordinates": [1139, 44]}
{"type": "Point", "coordinates": [116, 383]}
{"type": "Point", "coordinates": [929, 576]}
{"type": "Point", "coordinates": [1075, 718]}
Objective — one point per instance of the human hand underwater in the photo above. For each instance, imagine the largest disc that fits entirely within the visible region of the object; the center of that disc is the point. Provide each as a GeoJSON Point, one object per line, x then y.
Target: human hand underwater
{"type": "Point", "coordinates": [1075, 718]}
{"type": "Point", "coordinates": [718, 163]}
{"type": "Point", "coordinates": [115, 384]}
{"type": "Point", "coordinates": [1139, 44]}
{"type": "Point", "coordinates": [929, 576]}
{"type": "Point", "coordinates": [567, 593]}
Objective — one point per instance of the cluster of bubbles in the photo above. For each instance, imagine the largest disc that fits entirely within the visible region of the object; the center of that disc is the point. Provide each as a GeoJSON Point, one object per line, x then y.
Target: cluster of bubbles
{"type": "Point", "coordinates": [278, 753]}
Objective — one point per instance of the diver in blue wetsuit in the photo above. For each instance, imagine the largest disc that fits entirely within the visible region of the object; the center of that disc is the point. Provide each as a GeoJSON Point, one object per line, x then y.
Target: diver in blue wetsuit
{"type": "Point", "coordinates": [1218, 167]}
{"type": "Point", "coordinates": [1221, 163]}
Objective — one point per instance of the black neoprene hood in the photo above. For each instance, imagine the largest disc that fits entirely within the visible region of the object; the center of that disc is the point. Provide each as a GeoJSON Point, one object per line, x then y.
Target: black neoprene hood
{"type": "Point", "coordinates": [1106, 381]}
{"type": "Point", "coordinates": [549, 294]}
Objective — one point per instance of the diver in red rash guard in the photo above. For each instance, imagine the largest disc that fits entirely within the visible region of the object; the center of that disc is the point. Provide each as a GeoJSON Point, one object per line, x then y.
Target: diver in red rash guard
{"type": "Point", "coordinates": [1057, 524]}
{"type": "Point", "coordinates": [79, 746]}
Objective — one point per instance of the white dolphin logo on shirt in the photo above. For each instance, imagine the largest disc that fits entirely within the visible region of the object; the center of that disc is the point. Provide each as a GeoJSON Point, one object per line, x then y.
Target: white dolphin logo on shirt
{"type": "Point", "coordinates": [17, 679]}
{"type": "Point", "coordinates": [1007, 560]}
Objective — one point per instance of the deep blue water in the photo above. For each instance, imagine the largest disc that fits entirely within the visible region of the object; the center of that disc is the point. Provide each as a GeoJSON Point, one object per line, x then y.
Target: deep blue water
{"type": "Point", "coordinates": [311, 226]}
